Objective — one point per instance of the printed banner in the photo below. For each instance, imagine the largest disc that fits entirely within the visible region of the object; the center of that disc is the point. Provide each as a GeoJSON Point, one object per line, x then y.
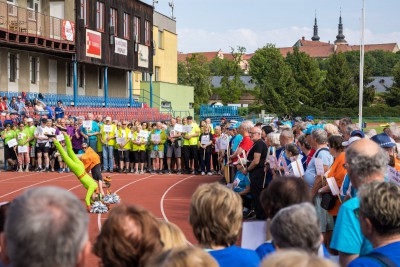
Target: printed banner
{"type": "Point", "coordinates": [68, 30]}
{"type": "Point", "coordinates": [93, 44]}
{"type": "Point", "coordinates": [121, 46]}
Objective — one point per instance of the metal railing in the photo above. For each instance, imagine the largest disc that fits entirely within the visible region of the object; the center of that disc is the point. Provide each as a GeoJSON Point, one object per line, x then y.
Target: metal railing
{"type": "Point", "coordinates": [23, 21]}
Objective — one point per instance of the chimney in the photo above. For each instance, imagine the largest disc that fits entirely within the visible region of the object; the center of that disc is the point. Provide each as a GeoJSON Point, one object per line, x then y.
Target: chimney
{"type": "Point", "coordinates": [303, 38]}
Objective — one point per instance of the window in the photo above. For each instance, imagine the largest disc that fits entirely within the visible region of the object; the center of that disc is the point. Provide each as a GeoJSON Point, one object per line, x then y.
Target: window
{"type": "Point", "coordinates": [114, 20]}
{"type": "Point", "coordinates": [136, 28]}
{"type": "Point", "coordinates": [34, 68]}
{"type": "Point", "coordinates": [147, 32]}
{"type": "Point", "coordinates": [84, 11]}
{"type": "Point", "coordinates": [127, 28]}
{"type": "Point", "coordinates": [157, 74]}
{"type": "Point", "coordinates": [160, 39]}
{"type": "Point", "coordinates": [81, 76]}
{"type": "Point", "coordinates": [13, 67]}
{"type": "Point", "coordinates": [145, 77]}
{"type": "Point", "coordinates": [100, 77]}
{"type": "Point", "coordinates": [100, 16]}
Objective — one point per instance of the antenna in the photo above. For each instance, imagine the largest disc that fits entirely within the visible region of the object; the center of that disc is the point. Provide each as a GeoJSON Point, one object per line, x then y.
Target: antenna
{"type": "Point", "coordinates": [171, 5]}
{"type": "Point", "coordinates": [154, 4]}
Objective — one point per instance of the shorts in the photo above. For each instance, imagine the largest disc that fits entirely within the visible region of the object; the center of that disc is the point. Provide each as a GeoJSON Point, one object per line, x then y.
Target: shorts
{"type": "Point", "coordinates": [32, 151]}
{"type": "Point", "coordinates": [177, 151]}
{"type": "Point", "coordinates": [132, 156]}
{"type": "Point", "coordinates": [123, 155]}
{"type": "Point", "coordinates": [9, 153]}
{"type": "Point", "coordinates": [325, 219]}
{"type": "Point", "coordinates": [42, 148]}
{"type": "Point", "coordinates": [96, 173]}
{"type": "Point", "coordinates": [139, 156]}
{"type": "Point", "coordinates": [157, 154]}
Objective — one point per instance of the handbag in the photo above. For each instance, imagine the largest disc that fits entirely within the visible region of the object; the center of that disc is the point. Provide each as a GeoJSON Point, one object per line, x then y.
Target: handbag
{"type": "Point", "coordinates": [328, 201]}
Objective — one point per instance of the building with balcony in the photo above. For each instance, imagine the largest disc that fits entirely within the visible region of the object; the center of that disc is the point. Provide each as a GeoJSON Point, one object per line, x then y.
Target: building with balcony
{"type": "Point", "coordinates": [74, 47]}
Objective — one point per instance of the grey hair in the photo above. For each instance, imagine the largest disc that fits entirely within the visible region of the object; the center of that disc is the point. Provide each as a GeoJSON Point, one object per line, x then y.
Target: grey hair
{"type": "Point", "coordinates": [46, 227]}
{"type": "Point", "coordinates": [369, 133]}
{"type": "Point", "coordinates": [247, 125]}
{"type": "Point", "coordinates": [362, 166]}
{"type": "Point", "coordinates": [297, 227]}
{"type": "Point", "coordinates": [349, 128]}
{"type": "Point", "coordinates": [320, 136]}
{"type": "Point", "coordinates": [395, 132]}
{"type": "Point", "coordinates": [287, 133]}
{"type": "Point", "coordinates": [380, 202]}
{"type": "Point", "coordinates": [274, 139]}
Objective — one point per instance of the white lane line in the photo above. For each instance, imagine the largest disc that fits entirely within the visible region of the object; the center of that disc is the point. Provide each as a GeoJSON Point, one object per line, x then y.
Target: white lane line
{"type": "Point", "coordinates": [22, 188]}
{"type": "Point", "coordinates": [18, 177]}
{"type": "Point", "coordinates": [99, 215]}
{"type": "Point", "coordinates": [163, 197]}
{"type": "Point", "coordinates": [166, 192]}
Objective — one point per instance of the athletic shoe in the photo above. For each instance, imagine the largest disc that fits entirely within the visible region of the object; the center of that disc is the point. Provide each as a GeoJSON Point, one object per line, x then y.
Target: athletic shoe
{"type": "Point", "coordinates": [136, 172]}
{"type": "Point", "coordinates": [168, 172]}
{"type": "Point", "coordinates": [110, 171]}
{"type": "Point", "coordinates": [178, 172]}
{"type": "Point", "coordinates": [47, 170]}
{"type": "Point", "coordinates": [126, 170]}
{"type": "Point", "coordinates": [141, 172]}
{"type": "Point", "coordinates": [52, 170]}
{"type": "Point", "coordinates": [133, 171]}
{"type": "Point", "coordinates": [60, 170]}
{"type": "Point", "coordinates": [209, 173]}
{"type": "Point", "coordinates": [196, 173]}
{"type": "Point", "coordinates": [120, 171]}
{"type": "Point", "coordinates": [67, 170]}
{"type": "Point", "coordinates": [160, 172]}
{"type": "Point", "coordinates": [38, 169]}
{"type": "Point", "coordinates": [203, 173]}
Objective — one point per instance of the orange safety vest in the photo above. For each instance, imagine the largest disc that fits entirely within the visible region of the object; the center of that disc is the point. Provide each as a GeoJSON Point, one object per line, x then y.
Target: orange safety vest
{"type": "Point", "coordinates": [90, 159]}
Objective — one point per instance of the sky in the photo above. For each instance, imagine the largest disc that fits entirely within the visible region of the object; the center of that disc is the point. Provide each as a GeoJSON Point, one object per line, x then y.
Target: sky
{"type": "Point", "coordinates": [211, 25]}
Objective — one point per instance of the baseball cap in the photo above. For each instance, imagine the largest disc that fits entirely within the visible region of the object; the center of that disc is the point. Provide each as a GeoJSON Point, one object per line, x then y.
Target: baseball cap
{"type": "Point", "coordinates": [357, 133]}
{"type": "Point", "coordinates": [351, 140]}
{"type": "Point", "coordinates": [108, 118]}
{"type": "Point", "coordinates": [29, 120]}
{"type": "Point", "coordinates": [309, 118]}
{"type": "Point", "coordinates": [383, 140]}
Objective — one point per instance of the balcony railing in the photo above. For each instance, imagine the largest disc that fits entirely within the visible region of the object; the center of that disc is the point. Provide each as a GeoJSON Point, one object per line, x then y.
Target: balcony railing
{"type": "Point", "coordinates": [22, 21]}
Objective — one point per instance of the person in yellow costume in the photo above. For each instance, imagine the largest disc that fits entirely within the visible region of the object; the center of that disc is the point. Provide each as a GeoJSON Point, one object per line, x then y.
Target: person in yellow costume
{"type": "Point", "coordinates": [91, 161]}
{"type": "Point", "coordinates": [77, 167]}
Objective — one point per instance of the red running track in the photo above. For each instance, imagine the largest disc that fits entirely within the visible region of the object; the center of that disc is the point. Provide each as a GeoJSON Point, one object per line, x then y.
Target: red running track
{"type": "Point", "coordinates": [166, 196]}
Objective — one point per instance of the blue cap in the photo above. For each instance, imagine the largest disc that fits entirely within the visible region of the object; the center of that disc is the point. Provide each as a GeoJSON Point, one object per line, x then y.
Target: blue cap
{"type": "Point", "coordinates": [383, 140]}
{"type": "Point", "coordinates": [310, 118]}
{"type": "Point", "coordinates": [357, 133]}
{"type": "Point", "coordinates": [310, 129]}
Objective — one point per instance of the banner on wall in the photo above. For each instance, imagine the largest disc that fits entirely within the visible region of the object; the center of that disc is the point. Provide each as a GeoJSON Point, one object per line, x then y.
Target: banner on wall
{"type": "Point", "coordinates": [68, 30]}
{"type": "Point", "coordinates": [121, 46]}
{"type": "Point", "coordinates": [143, 54]}
{"type": "Point", "coordinates": [93, 44]}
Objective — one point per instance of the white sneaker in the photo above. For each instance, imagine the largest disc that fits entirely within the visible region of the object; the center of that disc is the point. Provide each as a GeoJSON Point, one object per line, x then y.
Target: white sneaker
{"type": "Point", "coordinates": [209, 173]}
{"type": "Point", "coordinates": [203, 173]}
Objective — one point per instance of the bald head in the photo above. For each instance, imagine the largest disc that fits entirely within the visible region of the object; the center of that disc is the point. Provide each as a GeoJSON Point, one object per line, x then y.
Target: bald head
{"type": "Point", "coordinates": [366, 162]}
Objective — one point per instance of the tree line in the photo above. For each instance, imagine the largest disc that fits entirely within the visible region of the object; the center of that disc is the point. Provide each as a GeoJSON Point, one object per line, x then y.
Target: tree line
{"type": "Point", "coordinates": [284, 85]}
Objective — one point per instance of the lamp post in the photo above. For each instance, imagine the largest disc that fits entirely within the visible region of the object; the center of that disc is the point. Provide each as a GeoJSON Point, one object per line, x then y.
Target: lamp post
{"type": "Point", "coordinates": [361, 83]}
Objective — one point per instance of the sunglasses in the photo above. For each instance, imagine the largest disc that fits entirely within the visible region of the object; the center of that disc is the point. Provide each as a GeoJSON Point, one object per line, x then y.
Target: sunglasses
{"type": "Point", "coordinates": [84, 147]}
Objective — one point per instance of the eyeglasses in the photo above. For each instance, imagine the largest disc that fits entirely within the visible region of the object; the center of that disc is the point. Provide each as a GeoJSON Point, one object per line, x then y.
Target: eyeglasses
{"type": "Point", "coordinates": [19, 98]}
{"type": "Point", "coordinates": [84, 147]}
{"type": "Point", "coordinates": [251, 133]}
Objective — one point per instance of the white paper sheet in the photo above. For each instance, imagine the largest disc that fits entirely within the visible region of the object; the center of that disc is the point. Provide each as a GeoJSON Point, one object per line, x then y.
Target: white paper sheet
{"type": "Point", "coordinates": [178, 128]}
{"type": "Point", "coordinates": [297, 167]}
{"type": "Point", "coordinates": [60, 137]}
{"type": "Point", "coordinates": [319, 166]}
{"type": "Point", "coordinates": [107, 128]}
{"type": "Point", "coordinates": [333, 186]}
{"type": "Point", "coordinates": [155, 138]}
{"type": "Point", "coordinates": [22, 149]}
{"type": "Point", "coordinates": [205, 140]}
{"type": "Point", "coordinates": [253, 234]}
{"type": "Point", "coordinates": [393, 175]}
{"type": "Point", "coordinates": [143, 134]}
{"type": "Point", "coordinates": [12, 142]}
{"type": "Point", "coordinates": [87, 124]}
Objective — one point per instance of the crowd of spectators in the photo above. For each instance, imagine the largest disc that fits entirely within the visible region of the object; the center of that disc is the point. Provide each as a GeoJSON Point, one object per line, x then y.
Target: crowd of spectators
{"type": "Point", "coordinates": [326, 191]}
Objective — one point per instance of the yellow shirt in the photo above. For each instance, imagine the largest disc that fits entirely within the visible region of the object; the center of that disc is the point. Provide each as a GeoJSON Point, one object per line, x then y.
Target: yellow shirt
{"type": "Point", "coordinates": [104, 134]}
{"type": "Point", "coordinates": [136, 147]}
{"type": "Point", "coordinates": [195, 129]}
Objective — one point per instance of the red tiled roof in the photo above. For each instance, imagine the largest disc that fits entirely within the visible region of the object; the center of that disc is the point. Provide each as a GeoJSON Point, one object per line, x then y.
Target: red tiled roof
{"type": "Point", "coordinates": [209, 55]}
{"type": "Point", "coordinates": [311, 43]}
{"type": "Point", "coordinates": [391, 47]}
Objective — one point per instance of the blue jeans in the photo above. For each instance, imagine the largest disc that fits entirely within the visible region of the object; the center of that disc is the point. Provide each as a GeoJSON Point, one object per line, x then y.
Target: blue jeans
{"type": "Point", "coordinates": [108, 157]}
{"type": "Point", "coordinates": [93, 143]}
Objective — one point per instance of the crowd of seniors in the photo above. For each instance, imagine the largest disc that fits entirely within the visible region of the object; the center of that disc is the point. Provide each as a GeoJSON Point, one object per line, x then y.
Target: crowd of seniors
{"type": "Point", "coordinates": [328, 193]}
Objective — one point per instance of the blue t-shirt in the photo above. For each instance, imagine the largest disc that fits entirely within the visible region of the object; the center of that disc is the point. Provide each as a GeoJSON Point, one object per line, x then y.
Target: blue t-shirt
{"type": "Point", "coordinates": [391, 251]}
{"type": "Point", "coordinates": [234, 256]}
{"type": "Point", "coordinates": [236, 142]}
{"type": "Point", "coordinates": [240, 182]}
{"type": "Point", "coordinates": [59, 112]}
{"type": "Point", "coordinates": [268, 248]}
{"type": "Point", "coordinates": [95, 129]}
{"type": "Point", "coordinates": [347, 236]}
{"type": "Point", "coordinates": [311, 172]}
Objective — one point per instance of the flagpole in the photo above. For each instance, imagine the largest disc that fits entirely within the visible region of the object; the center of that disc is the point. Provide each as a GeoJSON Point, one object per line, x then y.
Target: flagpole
{"type": "Point", "coordinates": [361, 83]}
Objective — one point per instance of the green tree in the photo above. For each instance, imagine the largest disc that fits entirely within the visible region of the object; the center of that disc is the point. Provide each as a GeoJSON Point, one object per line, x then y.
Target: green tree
{"type": "Point", "coordinates": [195, 72]}
{"type": "Point", "coordinates": [353, 61]}
{"type": "Point", "coordinates": [341, 91]}
{"type": "Point", "coordinates": [307, 75]}
{"type": "Point", "coordinates": [231, 84]}
{"type": "Point", "coordinates": [392, 94]}
{"type": "Point", "coordinates": [273, 76]}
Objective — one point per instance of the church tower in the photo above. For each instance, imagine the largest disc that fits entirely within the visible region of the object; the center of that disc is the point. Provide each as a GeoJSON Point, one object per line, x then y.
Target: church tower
{"type": "Point", "coordinates": [315, 36]}
{"type": "Point", "coordinates": [340, 37]}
